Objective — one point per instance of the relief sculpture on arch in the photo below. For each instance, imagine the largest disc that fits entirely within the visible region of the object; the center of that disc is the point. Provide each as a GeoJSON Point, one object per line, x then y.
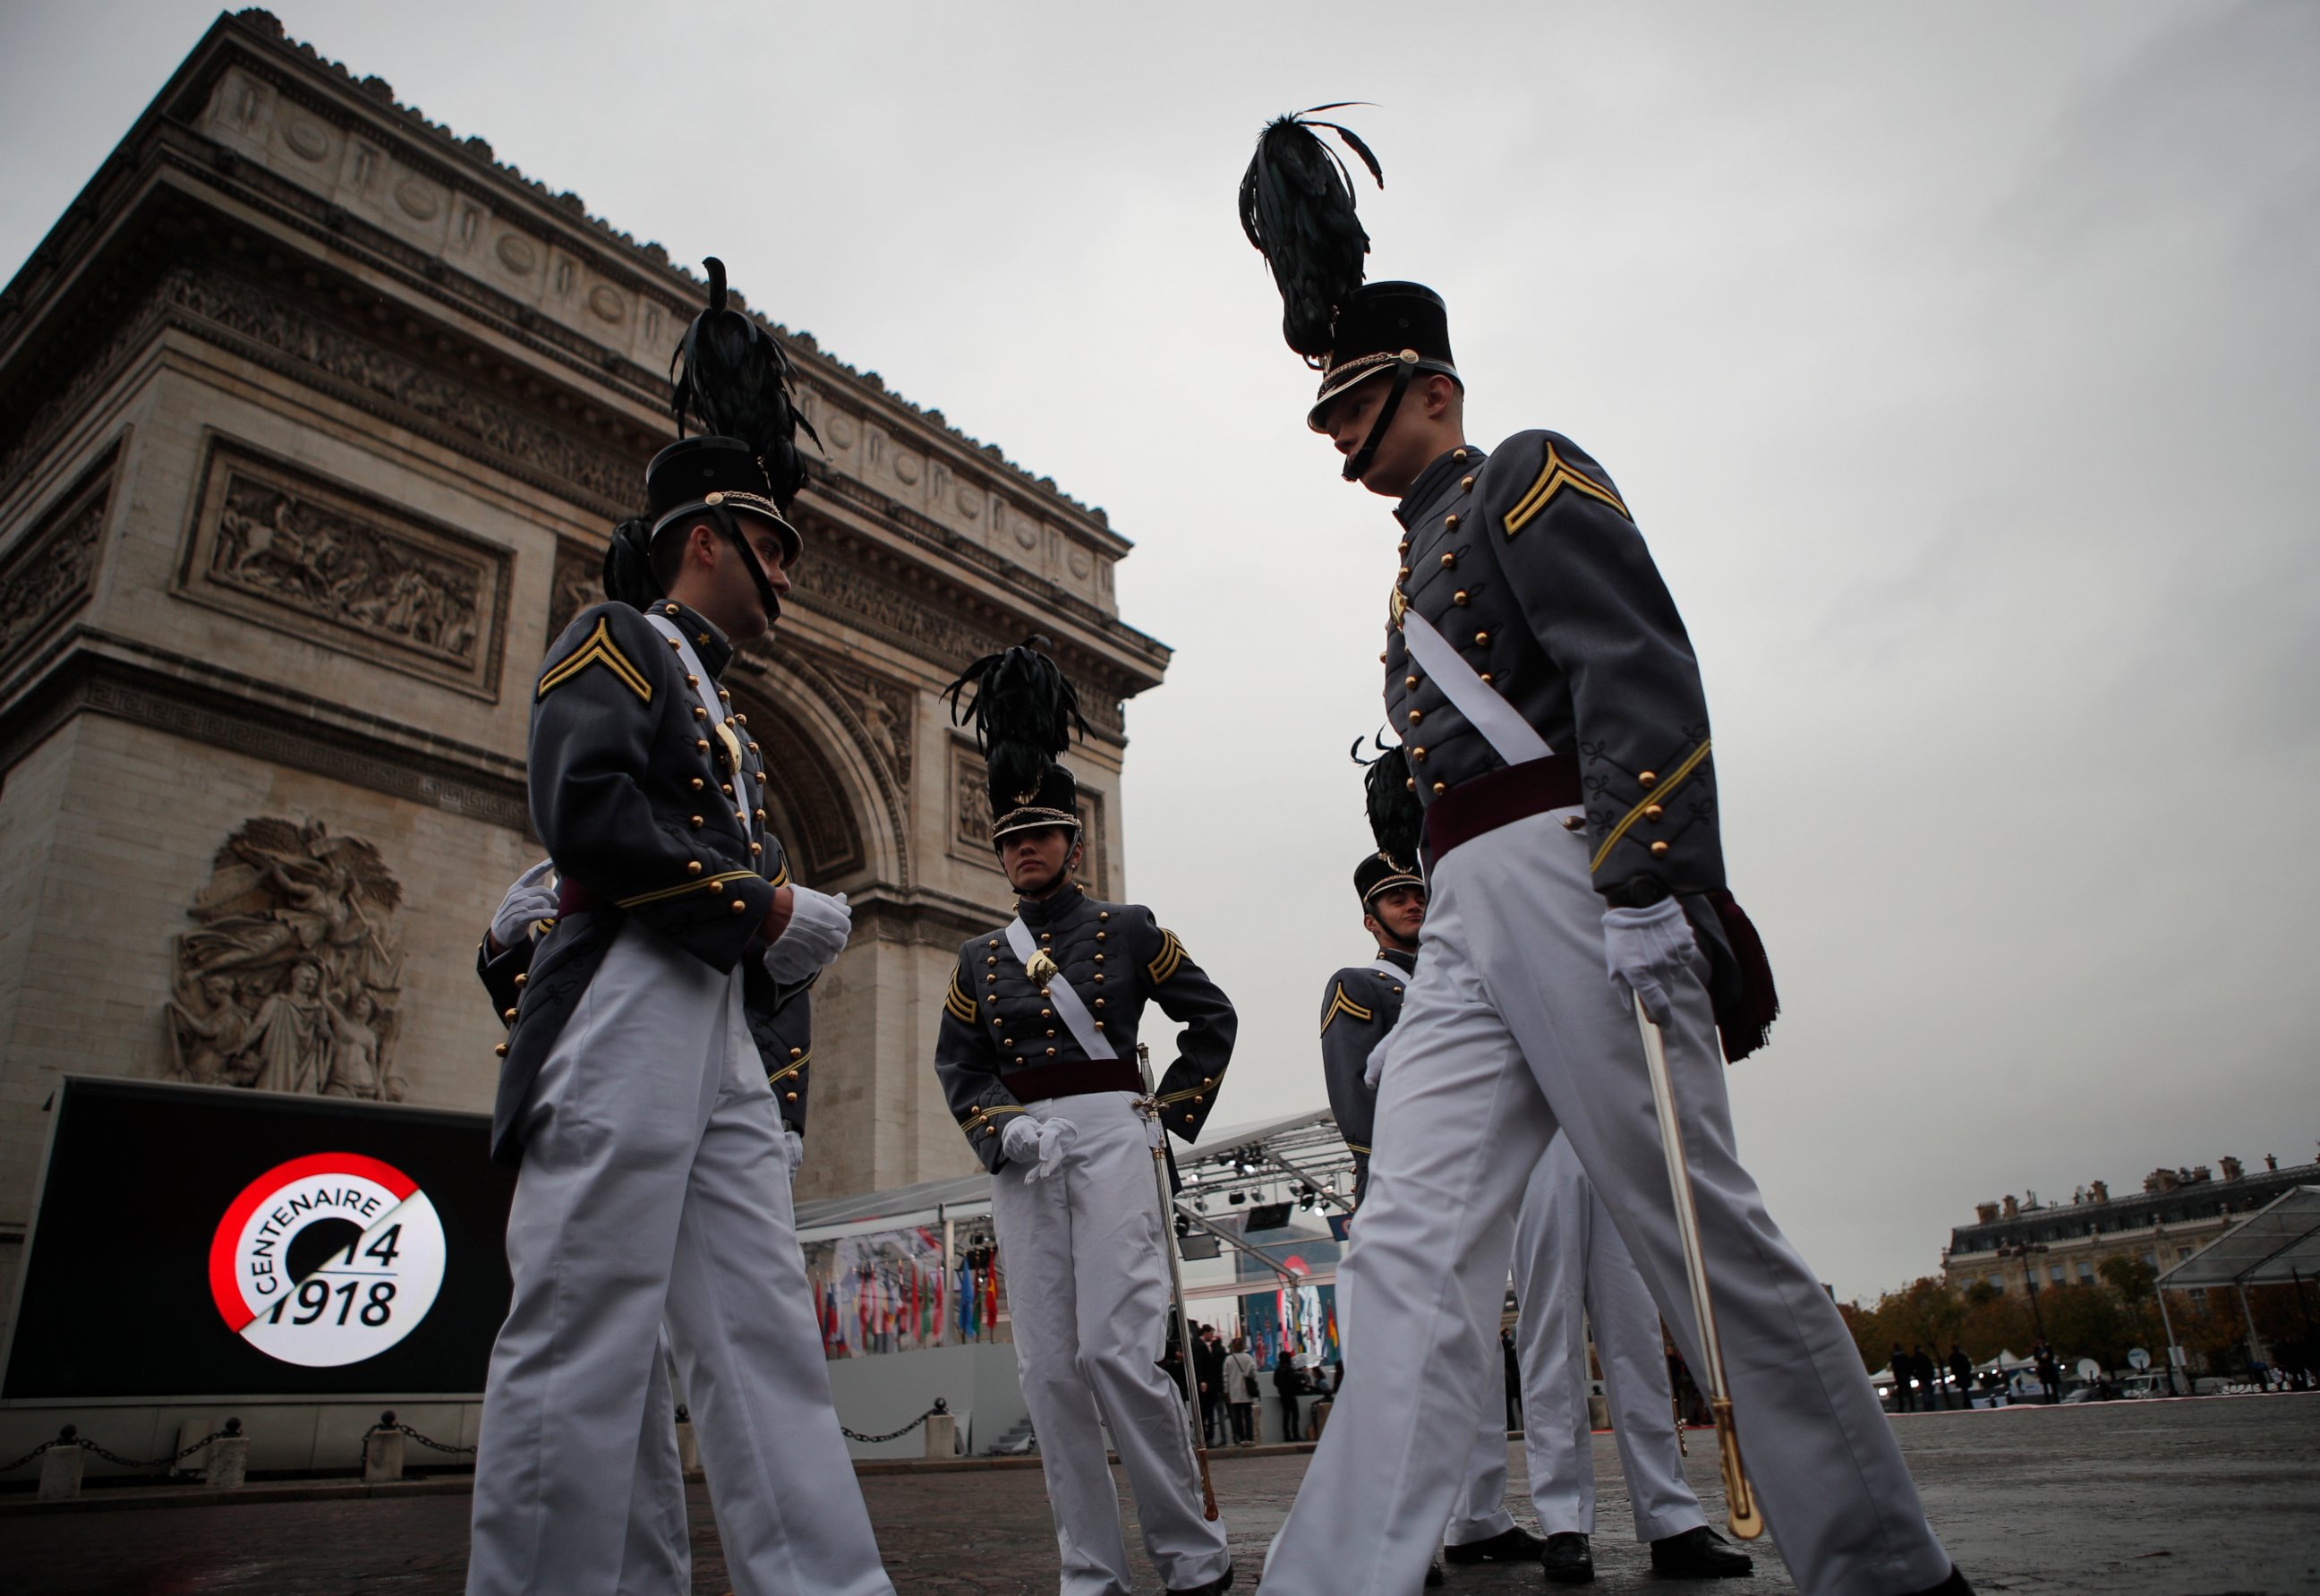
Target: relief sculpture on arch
{"type": "Point", "coordinates": [288, 981]}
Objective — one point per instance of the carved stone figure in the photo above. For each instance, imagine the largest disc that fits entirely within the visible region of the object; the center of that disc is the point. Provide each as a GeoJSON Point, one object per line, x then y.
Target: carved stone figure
{"type": "Point", "coordinates": [288, 981]}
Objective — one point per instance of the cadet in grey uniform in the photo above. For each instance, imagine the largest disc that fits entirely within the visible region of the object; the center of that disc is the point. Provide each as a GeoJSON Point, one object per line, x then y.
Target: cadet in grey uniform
{"type": "Point", "coordinates": [1361, 1003]}
{"type": "Point", "coordinates": [1036, 1054]}
{"type": "Point", "coordinates": [652, 1162]}
{"type": "Point", "coordinates": [656, 1553]}
{"type": "Point", "coordinates": [1539, 674]}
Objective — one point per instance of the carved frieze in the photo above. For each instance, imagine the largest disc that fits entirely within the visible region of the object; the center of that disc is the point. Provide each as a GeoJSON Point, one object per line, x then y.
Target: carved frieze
{"type": "Point", "coordinates": [47, 574]}
{"type": "Point", "coordinates": [578, 583]}
{"type": "Point", "coordinates": [279, 324]}
{"type": "Point", "coordinates": [884, 712]}
{"type": "Point", "coordinates": [279, 546]}
{"type": "Point", "coordinates": [289, 979]}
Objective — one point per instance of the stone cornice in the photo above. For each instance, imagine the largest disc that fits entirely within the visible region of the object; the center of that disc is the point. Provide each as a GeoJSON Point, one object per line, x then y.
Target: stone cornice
{"type": "Point", "coordinates": [90, 671]}
{"type": "Point", "coordinates": [253, 44]}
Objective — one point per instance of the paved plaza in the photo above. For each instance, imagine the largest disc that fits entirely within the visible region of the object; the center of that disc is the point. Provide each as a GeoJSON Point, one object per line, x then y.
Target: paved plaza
{"type": "Point", "coordinates": [2219, 1497]}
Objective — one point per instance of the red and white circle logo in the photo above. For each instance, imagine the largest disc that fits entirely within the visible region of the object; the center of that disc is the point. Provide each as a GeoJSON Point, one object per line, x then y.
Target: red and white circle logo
{"type": "Point", "coordinates": [328, 1259]}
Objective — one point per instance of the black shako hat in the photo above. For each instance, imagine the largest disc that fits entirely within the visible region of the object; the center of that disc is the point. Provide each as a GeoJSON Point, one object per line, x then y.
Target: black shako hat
{"type": "Point", "coordinates": [1378, 874]}
{"type": "Point", "coordinates": [1383, 328]}
{"type": "Point", "coordinates": [694, 474]}
{"type": "Point", "coordinates": [1297, 208]}
{"type": "Point", "coordinates": [730, 376]}
{"type": "Point", "coordinates": [1024, 711]}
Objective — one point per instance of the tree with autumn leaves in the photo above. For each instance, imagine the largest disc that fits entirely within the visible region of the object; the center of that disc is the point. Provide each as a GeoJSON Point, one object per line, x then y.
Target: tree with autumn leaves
{"type": "Point", "coordinates": [2100, 1320]}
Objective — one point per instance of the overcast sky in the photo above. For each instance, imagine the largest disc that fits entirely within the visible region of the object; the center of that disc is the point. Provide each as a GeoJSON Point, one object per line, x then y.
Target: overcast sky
{"type": "Point", "coordinates": [1958, 363]}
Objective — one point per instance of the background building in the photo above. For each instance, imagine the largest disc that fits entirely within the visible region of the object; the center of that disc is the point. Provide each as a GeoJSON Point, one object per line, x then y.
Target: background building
{"type": "Point", "coordinates": [2177, 1213]}
{"type": "Point", "coordinates": [314, 419]}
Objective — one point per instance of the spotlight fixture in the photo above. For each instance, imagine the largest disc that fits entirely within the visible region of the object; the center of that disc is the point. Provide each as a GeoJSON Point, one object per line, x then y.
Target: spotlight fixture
{"type": "Point", "coordinates": [1238, 1198]}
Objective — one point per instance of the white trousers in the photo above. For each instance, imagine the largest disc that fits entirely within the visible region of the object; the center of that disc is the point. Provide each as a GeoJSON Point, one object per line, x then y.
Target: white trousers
{"type": "Point", "coordinates": [1509, 1030]}
{"type": "Point", "coordinates": [1087, 1289]}
{"type": "Point", "coordinates": [656, 1552]}
{"type": "Point", "coordinates": [654, 1186]}
{"type": "Point", "coordinates": [1572, 1275]}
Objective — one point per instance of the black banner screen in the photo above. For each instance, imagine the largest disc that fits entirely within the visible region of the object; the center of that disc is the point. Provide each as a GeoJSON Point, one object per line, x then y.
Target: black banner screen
{"type": "Point", "coordinates": [207, 1241]}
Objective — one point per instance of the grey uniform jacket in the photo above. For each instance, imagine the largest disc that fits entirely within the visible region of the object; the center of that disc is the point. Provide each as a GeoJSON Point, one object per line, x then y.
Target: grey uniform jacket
{"type": "Point", "coordinates": [1360, 1004]}
{"type": "Point", "coordinates": [1527, 562]}
{"type": "Point", "coordinates": [1001, 1045]}
{"type": "Point", "coordinates": [632, 793]}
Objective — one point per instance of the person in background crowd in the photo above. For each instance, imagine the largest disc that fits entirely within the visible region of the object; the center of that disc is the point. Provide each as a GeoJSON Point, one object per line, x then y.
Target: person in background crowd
{"type": "Point", "coordinates": [1208, 1361]}
{"type": "Point", "coordinates": [1288, 1384]}
{"type": "Point", "coordinates": [1905, 1372]}
{"type": "Point", "coordinates": [1241, 1391]}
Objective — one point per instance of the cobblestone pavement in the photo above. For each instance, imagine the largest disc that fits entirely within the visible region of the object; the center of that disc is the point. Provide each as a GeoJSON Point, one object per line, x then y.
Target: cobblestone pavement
{"type": "Point", "coordinates": [2210, 1497]}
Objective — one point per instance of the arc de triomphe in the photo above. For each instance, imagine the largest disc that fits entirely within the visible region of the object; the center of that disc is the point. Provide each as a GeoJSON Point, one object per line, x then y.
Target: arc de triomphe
{"type": "Point", "coordinates": [313, 421]}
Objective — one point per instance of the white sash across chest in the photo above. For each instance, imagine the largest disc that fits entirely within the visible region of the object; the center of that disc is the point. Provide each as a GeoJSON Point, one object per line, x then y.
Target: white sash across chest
{"type": "Point", "coordinates": [1060, 996]}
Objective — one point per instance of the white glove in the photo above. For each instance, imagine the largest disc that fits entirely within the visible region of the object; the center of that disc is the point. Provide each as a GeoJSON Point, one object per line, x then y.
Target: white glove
{"type": "Point", "coordinates": [793, 1149]}
{"type": "Point", "coordinates": [529, 900]}
{"type": "Point", "coordinates": [1651, 954]}
{"type": "Point", "coordinates": [1374, 1071]}
{"type": "Point", "coordinates": [1040, 1144]}
{"type": "Point", "coordinates": [816, 934]}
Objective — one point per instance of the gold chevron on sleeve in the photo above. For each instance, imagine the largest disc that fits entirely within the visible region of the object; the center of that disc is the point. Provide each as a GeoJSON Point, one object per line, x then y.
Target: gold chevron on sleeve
{"type": "Point", "coordinates": [1339, 1003]}
{"type": "Point", "coordinates": [1164, 963]}
{"type": "Point", "coordinates": [599, 650]}
{"type": "Point", "coordinates": [1553, 478]}
{"type": "Point", "coordinates": [960, 1006]}
{"type": "Point", "coordinates": [789, 1069]}
{"type": "Point", "coordinates": [1658, 794]}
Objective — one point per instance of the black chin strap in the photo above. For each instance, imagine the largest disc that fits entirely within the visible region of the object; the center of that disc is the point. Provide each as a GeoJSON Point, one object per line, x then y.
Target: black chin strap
{"type": "Point", "coordinates": [733, 531]}
{"type": "Point", "coordinates": [1358, 466]}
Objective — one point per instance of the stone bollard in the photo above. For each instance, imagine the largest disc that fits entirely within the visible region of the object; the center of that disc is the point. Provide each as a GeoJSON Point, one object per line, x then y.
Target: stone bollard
{"type": "Point", "coordinates": [383, 1452]}
{"type": "Point", "coordinates": [1598, 1411]}
{"type": "Point", "coordinates": [60, 1467]}
{"type": "Point", "coordinates": [1321, 1419]}
{"type": "Point", "coordinates": [688, 1445]}
{"type": "Point", "coordinates": [942, 1431]}
{"type": "Point", "coordinates": [229, 1459]}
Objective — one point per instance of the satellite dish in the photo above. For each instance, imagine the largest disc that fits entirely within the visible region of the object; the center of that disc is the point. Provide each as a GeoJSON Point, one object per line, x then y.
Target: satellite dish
{"type": "Point", "coordinates": [2089, 1369]}
{"type": "Point", "coordinates": [2137, 1359]}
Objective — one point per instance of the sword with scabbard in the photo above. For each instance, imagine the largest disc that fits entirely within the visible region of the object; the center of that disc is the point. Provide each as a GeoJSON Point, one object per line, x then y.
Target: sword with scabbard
{"type": "Point", "coordinates": [1741, 1515]}
{"type": "Point", "coordinates": [1150, 1107]}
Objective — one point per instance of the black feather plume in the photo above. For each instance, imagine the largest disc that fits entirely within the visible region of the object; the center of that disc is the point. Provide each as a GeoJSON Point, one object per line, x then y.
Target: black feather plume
{"type": "Point", "coordinates": [1297, 207]}
{"type": "Point", "coordinates": [730, 377]}
{"type": "Point", "coordinates": [1023, 712]}
{"type": "Point", "coordinates": [629, 576]}
{"type": "Point", "coordinates": [1397, 819]}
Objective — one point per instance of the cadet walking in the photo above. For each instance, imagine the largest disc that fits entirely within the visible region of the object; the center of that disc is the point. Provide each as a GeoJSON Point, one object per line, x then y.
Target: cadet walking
{"type": "Point", "coordinates": [1539, 674]}
{"type": "Point", "coordinates": [653, 1164]}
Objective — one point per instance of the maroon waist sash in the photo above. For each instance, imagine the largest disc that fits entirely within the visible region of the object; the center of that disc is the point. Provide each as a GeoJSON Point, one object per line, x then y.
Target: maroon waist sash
{"type": "Point", "coordinates": [1500, 798]}
{"type": "Point", "coordinates": [1072, 1078]}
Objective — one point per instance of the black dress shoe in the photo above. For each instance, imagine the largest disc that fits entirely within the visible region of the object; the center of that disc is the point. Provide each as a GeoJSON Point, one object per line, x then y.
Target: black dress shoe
{"type": "Point", "coordinates": [1515, 1545]}
{"type": "Point", "coordinates": [1433, 1574]}
{"type": "Point", "coordinates": [1955, 1585]}
{"type": "Point", "coordinates": [1215, 1587]}
{"type": "Point", "coordinates": [1565, 1559]}
{"type": "Point", "coordinates": [1697, 1553]}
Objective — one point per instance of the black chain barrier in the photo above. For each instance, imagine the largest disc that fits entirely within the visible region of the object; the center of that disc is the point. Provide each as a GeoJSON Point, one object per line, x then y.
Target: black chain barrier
{"type": "Point", "coordinates": [941, 1406]}
{"type": "Point", "coordinates": [387, 1425]}
{"type": "Point", "coordinates": [70, 1436]}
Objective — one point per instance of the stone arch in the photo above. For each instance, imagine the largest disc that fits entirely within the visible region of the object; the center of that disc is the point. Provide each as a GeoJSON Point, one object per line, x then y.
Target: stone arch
{"type": "Point", "coordinates": [834, 805]}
